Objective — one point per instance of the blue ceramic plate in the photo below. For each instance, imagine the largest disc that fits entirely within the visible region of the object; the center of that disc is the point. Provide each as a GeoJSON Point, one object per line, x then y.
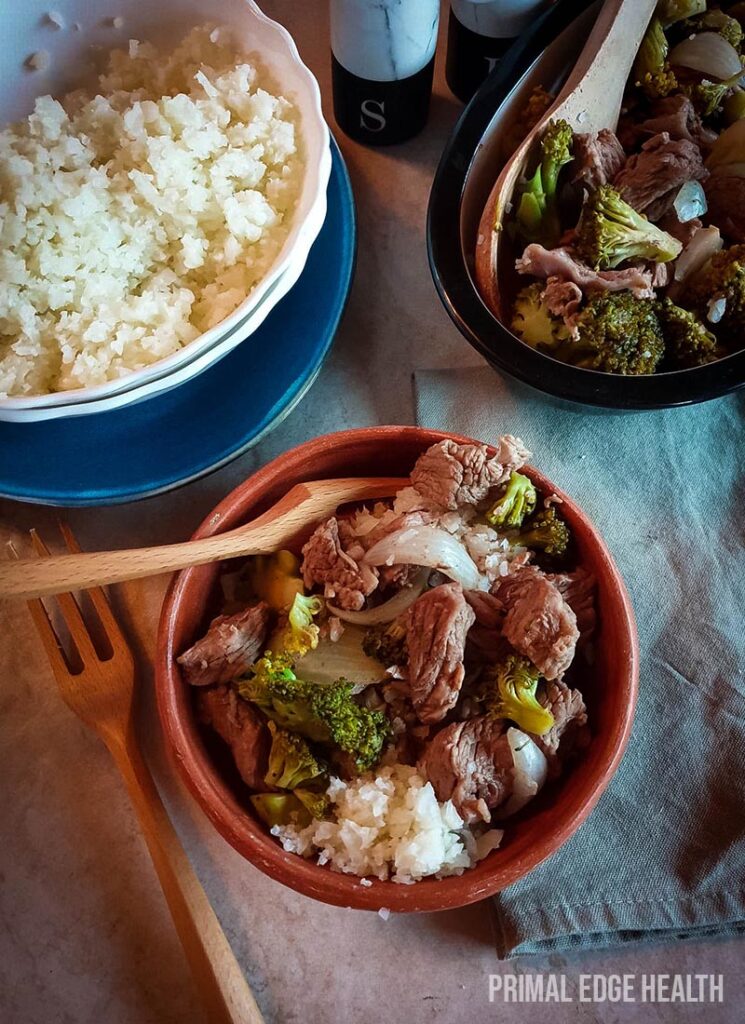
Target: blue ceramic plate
{"type": "Point", "coordinates": [178, 436]}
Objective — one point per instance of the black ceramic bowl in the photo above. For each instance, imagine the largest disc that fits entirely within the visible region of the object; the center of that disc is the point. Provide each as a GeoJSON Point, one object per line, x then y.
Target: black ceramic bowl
{"type": "Point", "coordinates": [467, 171]}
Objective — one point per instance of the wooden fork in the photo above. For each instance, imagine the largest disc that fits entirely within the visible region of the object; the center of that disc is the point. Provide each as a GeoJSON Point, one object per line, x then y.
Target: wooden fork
{"type": "Point", "coordinates": [101, 693]}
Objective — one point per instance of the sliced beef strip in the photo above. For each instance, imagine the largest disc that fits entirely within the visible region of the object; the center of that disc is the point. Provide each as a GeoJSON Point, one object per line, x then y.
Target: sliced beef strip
{"type": "Point", "coordinates": [325, 561]}
{"type": "Point", "coordinates": [228, 649]}
{"type": "Point", "coordinates": [578, 590]}
{"type": "Point", "coordinates": [598, 157]}
{"type": "Point", "coordinates": [650, 179]}
{"type": "Point", "coordinates": [242, 728]}
{"type": "Point", "coordinates": [471, 764]}
{"type": "Point", "coordinates": [562, 299]}
{"type": "Point", "coordinates": [563, 262]}
{"type": "Point", "coordinates": [437, 626]}
{"type": "Point", "coordinates": [677, 116]}
{"type": "Point", "coordinates": [569, 731]}
{"type": "Point", "coordinates": [663, 274]}
{"type": "Point", "coordinates": [449, 475]}
{"type": "Point", "coordinates": [726, 198]}
{"type": "Point", "coordinates": [539, 623]}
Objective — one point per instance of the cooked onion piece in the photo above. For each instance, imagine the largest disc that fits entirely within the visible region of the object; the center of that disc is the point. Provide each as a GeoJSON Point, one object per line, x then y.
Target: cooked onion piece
{"type": "Point", "coordinates": [428, 545]}
{"type": "Point", "coordinates": [389, 610]}
{"type": "Point", "coordinates": [709, 53]}
{"type": "Point", "coordinates": [531, 769]}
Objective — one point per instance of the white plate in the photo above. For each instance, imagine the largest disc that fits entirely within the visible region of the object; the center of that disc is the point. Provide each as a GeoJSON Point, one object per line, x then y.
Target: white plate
{"type": "Point", "coordinates": [28, 30]}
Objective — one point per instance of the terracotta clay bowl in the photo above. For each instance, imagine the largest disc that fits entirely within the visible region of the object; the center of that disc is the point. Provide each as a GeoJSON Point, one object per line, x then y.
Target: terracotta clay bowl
{"type": "Point", "coordinates": [530, 837]}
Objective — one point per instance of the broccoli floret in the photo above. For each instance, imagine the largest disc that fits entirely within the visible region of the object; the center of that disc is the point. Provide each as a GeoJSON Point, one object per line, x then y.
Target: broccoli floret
{"type": "Point", "coordinates": [537, 215]}
{"type": "Point", "coordinates": [276, 578]}
{"type": "Point", "coordinates": [281, 809]}
{"type": "Point", "coordinates": [670, 11]}
{"type": "Point", "coordinates": [291, 761]}
{"type": "Point", "coordinates": [386, 643]}
{"type": "Point", "coordinates": [652, 74]}
{"type": "Point", "coordinates": [512, 685]}
{"type": "Point", "coordinates": [517, 502]}
{"type": "Point", "coordinates": [717, 293]}
{"type": "Point", "coordinates": [708, 96]}
{"type": "Point", "coordinates": [315, 801]}
{"type": "Point", "coordinates": [325, 714]}
{"type": "Point", "coordinates": [618, 333]}
{"type": "Point", "coordinates": [532, 321]}
{"type": "Point", "coordinates": [300, 633]}
{"type": "Point", "coordinates": [610, 231]}
{"type": "Point", "coordinates": [547, 534]}
{"type": "Point", "coordinates": [716, 20]}
{"type": "Point", "coordinates": [687, 341]}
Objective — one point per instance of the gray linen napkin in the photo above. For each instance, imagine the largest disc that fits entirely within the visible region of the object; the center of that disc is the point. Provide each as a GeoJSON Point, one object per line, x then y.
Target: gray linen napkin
{"type": "Point", "coordinates": [663, 854]}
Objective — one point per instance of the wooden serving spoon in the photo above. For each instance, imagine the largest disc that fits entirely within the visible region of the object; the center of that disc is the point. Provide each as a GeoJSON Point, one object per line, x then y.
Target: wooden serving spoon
{"type": "Point", "coordinates": [274, 529]}
{"type": "Point", "coordinates": [589, 101]}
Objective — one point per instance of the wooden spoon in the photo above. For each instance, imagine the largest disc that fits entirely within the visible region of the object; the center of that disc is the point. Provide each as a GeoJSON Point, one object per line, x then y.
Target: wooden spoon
{"type": "Point", "coordinates": [300, 508]}
{"type": "Point", "coordinates": [589, 101]}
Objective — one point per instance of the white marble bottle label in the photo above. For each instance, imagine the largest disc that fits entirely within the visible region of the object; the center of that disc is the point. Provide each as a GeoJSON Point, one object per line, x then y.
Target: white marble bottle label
{"type": "Point", "coordinates": [384, 40]}
{"type": "Point", "coordinates": [498, 19]}
{"type": "Point", "coordinates": [383, 55]}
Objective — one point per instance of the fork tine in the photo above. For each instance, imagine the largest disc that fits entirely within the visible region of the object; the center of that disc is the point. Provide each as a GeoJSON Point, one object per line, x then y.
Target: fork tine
{"type": "Point", "coordinates": [70, 611]}
{"type": "Point", "coordinates": [45, 629]}
{"type": "Point", "coordinates": [96, 594]}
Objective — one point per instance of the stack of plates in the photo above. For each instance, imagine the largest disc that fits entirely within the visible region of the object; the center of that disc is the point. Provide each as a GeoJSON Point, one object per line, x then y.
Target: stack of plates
{"type": "Point", "coordinates": [68, 48]}
{"type": "Point", "coordinates": [190, 413]}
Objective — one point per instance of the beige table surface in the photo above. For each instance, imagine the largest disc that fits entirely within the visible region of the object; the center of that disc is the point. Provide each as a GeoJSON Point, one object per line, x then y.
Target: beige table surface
{"type": "Point", "coordinates": [85, 936]}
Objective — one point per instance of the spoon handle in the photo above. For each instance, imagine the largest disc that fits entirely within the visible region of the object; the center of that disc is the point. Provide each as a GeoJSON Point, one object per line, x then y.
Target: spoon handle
{"type": "Point", "coordinates": [607, 58]}
{"type": "Point", "coordinates": [292, 515]}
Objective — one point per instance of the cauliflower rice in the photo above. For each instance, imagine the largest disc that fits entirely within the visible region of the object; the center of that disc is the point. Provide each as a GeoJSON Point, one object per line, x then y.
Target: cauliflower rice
{"type": "Point", "coordinates": [134, 220]}
{"type": "Point", "coordinates": [390, 825]}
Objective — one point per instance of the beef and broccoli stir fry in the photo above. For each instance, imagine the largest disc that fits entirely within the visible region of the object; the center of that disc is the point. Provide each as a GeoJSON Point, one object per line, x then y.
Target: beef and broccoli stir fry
{"type": "Point", "coordinates": [394, 693]}
{"type": "Point", "coordinates": [635, 239]}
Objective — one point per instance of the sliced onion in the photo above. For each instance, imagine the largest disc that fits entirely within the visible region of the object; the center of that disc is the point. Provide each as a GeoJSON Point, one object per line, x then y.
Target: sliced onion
{"type": "Point", "coordinates": [428, 545]}
{"type": "Point", "coordinates": [709, 53]}
{"type": "Point", "coordinates": [690, 201]}
{"type": "Point", "coordinates": [531, 769]}
{"type": "Point", "coordinates": [699, 251]}
{"type": "Point", "coordinates": [389, 610]}
{"type": "Point", "coordinates": [729, 148]}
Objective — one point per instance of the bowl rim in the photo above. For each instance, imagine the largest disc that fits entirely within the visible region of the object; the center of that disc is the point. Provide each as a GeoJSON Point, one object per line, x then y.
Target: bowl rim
{"type": "Point", "coordinates": [250, 839]}
{"type": "Point", "coordinates": [296, 246]}
{"type": "Point", "coordinates": [460, 296]}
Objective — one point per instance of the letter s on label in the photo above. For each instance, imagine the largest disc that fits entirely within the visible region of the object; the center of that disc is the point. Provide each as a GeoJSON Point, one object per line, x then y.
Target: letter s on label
{"type": "Point", "coordinates": [372, 115]}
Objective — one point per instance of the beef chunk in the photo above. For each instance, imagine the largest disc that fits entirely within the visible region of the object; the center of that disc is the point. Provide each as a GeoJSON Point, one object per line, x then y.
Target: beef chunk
{"type": "Point", "coordinates": [437, 626]}
{"type": "Point", "coordinates": [569, 731]}
{"type": "Point", "coordinates": [598, 157]}
{"type": "Point", "coordinates": [325, 560]}
{"type": "Point", "coordinates": [677, 116]}
{"type": "Point", "coordinates": [563, 262]}
{"type": "Point", "coordinates": [242, 728]}
{"type": "Point", "coordinates": [682, 230]}
{"type": "Point", "coordinates": [471, 764]}
{"type": "Point", "coordinates": [650, 179]}
{"type": "Point", "coordinates": [488, 609]}
{"type": "Point", "coordinates": [539, 623]}
{"type": "Point", "coordinates": [230, 647]}
{"type": "Point", "coordinates": [450, 475]}
{"type": "Point", "coordinates": [726, 198]}
{"type": "Point", "coordinates": [578, 590]}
